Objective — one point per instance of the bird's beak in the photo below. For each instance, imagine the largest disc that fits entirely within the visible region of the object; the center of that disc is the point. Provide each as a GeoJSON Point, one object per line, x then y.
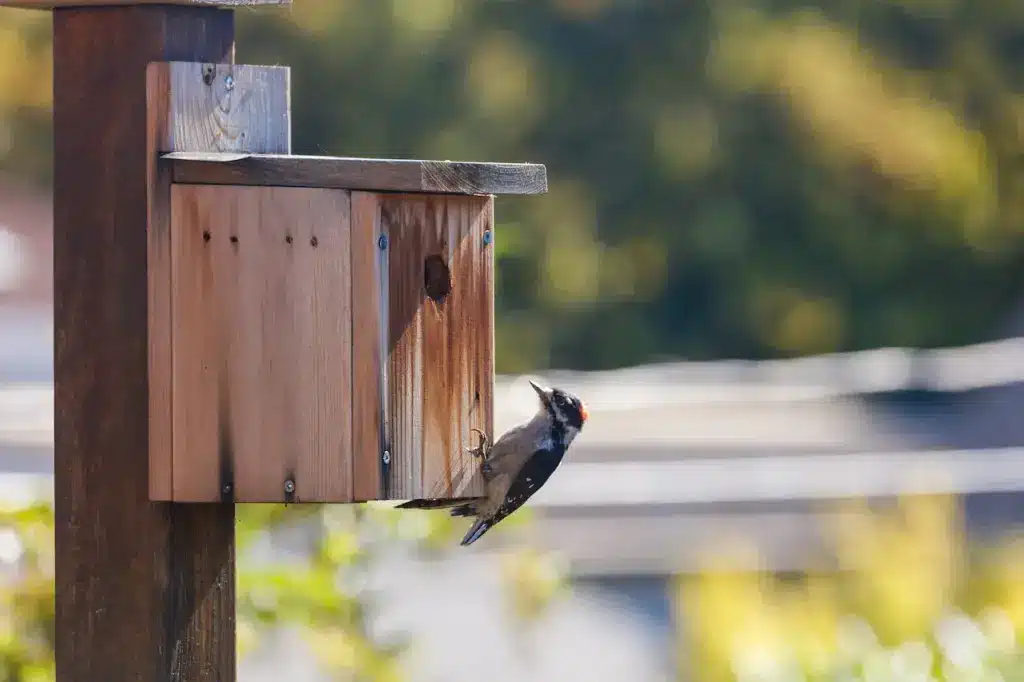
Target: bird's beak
{"type": "Point", "coordinates": [542, 393]}
{"type": "Point", "coordinates": [584, 415]}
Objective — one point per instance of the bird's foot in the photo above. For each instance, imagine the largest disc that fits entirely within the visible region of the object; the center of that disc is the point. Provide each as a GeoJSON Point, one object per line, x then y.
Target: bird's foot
{"type": "Point", "coordinates": [482, 449]}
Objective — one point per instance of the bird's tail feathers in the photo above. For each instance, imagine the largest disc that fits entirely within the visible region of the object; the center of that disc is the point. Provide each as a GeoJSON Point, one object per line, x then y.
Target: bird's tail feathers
{"type": "Point", "coordinates": [475, 531]}
{"type": "Point", "coordinates": [468, 509]}
{"type": "Point", "coordinates": [438, 504]}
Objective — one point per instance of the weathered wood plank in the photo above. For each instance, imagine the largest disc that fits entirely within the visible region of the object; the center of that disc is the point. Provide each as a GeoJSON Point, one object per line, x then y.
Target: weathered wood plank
{"type": "Point", "coordinates": [224, 107]}
{"type": "Point", "coordinates": [58, 4]}
{"type": "Point", "coordinates": [158, 188]}
{"type": "Point", "coordinates": [381, 175]}
{"type": "Point", "coordinates": [190, 107]}
{"type": "Point", "coordinates": [367, 346]}
{"type": "Point", "coordinates": [145, 591]}
{"type": "Point", "coordinates": [263, 344]}
{"type": "Point", "coordinates": [440, 341]}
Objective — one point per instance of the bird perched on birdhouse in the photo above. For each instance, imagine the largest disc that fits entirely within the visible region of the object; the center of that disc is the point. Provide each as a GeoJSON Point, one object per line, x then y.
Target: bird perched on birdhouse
{"type": "Point", "coordinates": [519, 463]}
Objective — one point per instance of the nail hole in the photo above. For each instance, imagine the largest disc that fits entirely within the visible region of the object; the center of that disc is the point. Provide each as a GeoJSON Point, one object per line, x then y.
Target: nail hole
{"type": "Point", "coordinates": [234, 239]}
{"type": "Point", "coordinates": [288, 239]}
{"type": "Point", "coordinates": [313, 242]}
{"type": "Point", "coordinates": [437, 278]}
{"type": "Point", "coordinates": [206, 235]}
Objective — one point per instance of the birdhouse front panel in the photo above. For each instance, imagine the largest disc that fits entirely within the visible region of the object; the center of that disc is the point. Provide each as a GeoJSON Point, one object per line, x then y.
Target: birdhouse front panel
{"type": "Point", "coordinates": [262, 343]}
{"type": "Point", "coordinates": [327, 345]}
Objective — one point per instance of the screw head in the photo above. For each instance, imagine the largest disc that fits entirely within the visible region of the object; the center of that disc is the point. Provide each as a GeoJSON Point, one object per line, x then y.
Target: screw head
{"type": "Point", "coordinates": [382, 242]}
{"type": "Point", "coordinates": [226, 489]}
{"type": "Point", "coordinates": [229, 83]}
{"type": "Point", "coordinates": [488, 238]}
{"type": "Point", "coordinates": [386, 457]}
{"type": "Point", "coordinates": [289, 486]}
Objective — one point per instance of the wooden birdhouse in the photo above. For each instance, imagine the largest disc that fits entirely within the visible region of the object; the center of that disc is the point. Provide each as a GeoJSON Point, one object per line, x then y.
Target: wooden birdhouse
{"type": "Point", "coordinates": [321, 328]}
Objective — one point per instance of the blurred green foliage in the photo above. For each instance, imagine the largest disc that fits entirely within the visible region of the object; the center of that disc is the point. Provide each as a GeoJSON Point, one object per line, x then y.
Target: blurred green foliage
{"type": "Point", "coordinates": [908, 599]}
{"type": "Point", "coordinates": [26, 593]}
{"type": "Point", "coordinates": [322, 594]}
{"type": "Point", "coordinates": [747, 178]}
{"type": "Point", "coordinates": [908, 602]}
{"type": "Point", "coordinates": [318, 593]}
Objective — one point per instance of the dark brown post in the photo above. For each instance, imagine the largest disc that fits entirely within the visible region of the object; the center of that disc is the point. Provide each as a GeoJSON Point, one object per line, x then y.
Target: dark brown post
{"type": "Point", "coordinates": [144, 590]}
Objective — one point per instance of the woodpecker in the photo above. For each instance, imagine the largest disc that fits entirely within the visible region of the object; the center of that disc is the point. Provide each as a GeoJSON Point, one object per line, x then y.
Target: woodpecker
{"type": "Point", "coordinates": [519, 463]}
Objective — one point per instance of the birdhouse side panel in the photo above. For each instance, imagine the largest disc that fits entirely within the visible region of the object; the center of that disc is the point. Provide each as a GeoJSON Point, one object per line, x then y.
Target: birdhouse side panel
{"type": "Point", "coordinates": [440, 341]}
{"type": "Point", "coordinates": [262, 344]}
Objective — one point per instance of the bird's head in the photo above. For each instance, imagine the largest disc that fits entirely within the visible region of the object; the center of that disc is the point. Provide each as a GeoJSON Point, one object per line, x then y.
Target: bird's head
{"type": "Point", "coordinates": [562, 406]}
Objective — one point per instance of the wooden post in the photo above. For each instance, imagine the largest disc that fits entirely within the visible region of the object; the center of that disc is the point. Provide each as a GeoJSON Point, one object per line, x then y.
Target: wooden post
{"type": "Point", "coordinates": [144, 590]}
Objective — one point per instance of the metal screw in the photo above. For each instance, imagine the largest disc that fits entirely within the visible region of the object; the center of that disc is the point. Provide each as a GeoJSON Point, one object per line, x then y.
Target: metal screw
{"type": "Point", "coordinates": [387, 457]}
{"type": "Point", "coordinates": [226, 489]}
{"type": "Point", "coordinates": [229, 83]}
{"type": "Point", "coordinates": [382, 242]}
{"type": "Point", "coordinates": [487, 237]}
{"type": "Point", "coordinates": [289, 486]}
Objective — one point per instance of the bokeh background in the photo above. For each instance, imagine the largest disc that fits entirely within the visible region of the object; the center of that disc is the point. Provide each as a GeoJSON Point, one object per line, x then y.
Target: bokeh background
{"type": "Point", "coordinates": [781, 258]}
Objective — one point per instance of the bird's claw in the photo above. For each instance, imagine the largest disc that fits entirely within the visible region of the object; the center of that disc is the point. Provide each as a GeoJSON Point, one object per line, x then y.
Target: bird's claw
{"type": "Point", "coordinates": [482, 449]}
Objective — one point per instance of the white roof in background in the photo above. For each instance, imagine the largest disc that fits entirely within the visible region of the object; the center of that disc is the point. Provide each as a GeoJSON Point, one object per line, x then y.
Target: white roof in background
{"type": "Point", "coordinates": [782, 478]}
{"type": "Point", "coordinates": [816, 377]}
{"type": "Point", "coordinates": [667, 407]}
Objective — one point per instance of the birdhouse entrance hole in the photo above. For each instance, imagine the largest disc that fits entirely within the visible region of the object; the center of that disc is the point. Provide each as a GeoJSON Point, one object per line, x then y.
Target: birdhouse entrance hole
{"type": "Point", "coordinates": [437, 278]}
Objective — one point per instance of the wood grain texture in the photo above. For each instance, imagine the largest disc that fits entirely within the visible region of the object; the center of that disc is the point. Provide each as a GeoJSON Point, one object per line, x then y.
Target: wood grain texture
{"type": "Point", "coordinates": [190, 107]}
{"type": "Point", "coordinates": [144, 590]}
{"type": "Point", "coordinates": [368, 347]}
{"type": "Point", "coordinates": [263, 344]}
{"type": "Point", "coordinates": [57, 4]}
{"type": "Point", "coordinates": [158, 245]}
{"type": "Point", "coordinates": [382, 175]}
{"type": "Point", "coordinates": [223, 107]}
{"type": "Point", "coordinates": [440, 364]}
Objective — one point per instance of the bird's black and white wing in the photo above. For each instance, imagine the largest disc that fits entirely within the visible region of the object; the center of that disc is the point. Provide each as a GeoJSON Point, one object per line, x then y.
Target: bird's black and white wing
{"type": "Point", "coordinates": [531, 477]}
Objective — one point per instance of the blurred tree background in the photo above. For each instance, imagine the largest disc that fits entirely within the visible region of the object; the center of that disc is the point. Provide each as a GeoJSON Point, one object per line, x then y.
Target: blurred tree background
{"type": "Point", "coordinates": [728, 178]}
